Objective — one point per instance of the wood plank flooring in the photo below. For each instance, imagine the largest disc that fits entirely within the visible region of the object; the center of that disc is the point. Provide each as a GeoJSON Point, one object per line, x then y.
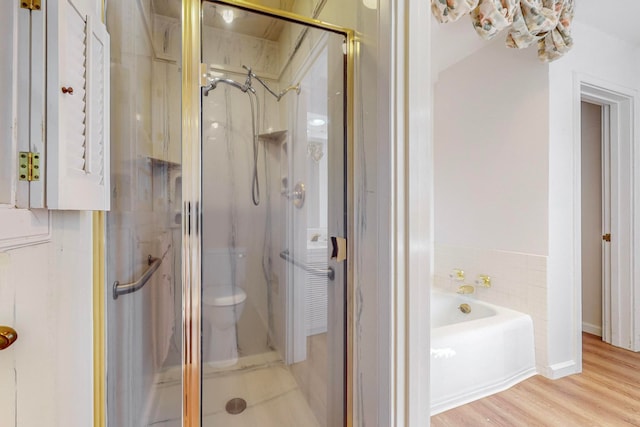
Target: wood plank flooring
{"type": "Point", "coordinates": [605, 394]}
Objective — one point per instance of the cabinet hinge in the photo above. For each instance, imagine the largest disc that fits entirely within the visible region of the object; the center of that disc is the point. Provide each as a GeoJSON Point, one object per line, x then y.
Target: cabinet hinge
{"type": "Point", "coordinates": [31, 4]}
{"type": "Point", "coordinates": [29, 166]}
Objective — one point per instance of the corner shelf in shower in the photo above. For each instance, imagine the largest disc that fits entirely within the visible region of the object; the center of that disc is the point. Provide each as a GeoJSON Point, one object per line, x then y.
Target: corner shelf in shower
{"type": "Point", "coordinates": [164, 163]}
{"type": "Point", "coordinates": [275, 136]}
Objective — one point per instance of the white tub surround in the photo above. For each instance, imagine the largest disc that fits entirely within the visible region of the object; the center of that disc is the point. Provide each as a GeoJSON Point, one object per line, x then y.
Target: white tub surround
{"type": "Point", "coordinates": [518, 282]}
{"type": "Point", "coordinates": [477, 354]}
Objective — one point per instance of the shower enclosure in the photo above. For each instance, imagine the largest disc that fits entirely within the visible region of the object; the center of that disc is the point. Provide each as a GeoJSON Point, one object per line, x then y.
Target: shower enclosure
{"type": "Point", "coordinates": [226, 242]}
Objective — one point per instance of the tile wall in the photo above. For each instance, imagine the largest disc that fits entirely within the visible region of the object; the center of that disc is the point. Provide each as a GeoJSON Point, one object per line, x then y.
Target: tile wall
{"type": "Point", "coordinates": [518, 282]}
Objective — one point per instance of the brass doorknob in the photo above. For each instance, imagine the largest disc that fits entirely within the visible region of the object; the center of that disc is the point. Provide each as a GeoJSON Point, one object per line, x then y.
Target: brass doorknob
{"type": "Point", "coordinates": [7, 336]}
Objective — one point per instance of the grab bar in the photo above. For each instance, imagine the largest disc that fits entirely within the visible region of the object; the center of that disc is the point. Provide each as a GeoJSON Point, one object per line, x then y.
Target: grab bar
{"type": "Point", "coordinates": [329, 272]}
{"type": "Point", "coordinates": [127, 288]}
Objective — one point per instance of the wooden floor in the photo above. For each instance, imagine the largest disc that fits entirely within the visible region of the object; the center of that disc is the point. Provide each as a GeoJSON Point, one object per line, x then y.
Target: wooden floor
{"type": "Point", "coordinates": [606, 393]}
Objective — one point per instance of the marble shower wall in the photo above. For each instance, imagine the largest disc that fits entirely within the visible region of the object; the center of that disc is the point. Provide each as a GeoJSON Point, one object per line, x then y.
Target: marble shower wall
{"type": "Point", "coordinates": [372, 287]}
{"type": "Point", "coordinates": [231, 221]}
{"type": "Point", "coordinates": [138, 224]}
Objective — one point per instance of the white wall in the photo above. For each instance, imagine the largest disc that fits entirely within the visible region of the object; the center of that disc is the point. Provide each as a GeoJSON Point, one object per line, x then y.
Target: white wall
{"type": "Point", "coordinates": [613, 61]}
{"type": "Point", "coordinates": [545, 175]}
{"type": "Point", "coordinates": [491, 150]}
{"type": "Point", "coordinates": [453, 42]}
{"type": "Point", "coordinates": [491, 178]}
{"type": "Point", "coordinates": [591, 172]}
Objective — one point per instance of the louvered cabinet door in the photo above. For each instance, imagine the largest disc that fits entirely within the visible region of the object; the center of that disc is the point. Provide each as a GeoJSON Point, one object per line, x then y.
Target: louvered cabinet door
{"type": "Point", "coordinates": [77, 108]}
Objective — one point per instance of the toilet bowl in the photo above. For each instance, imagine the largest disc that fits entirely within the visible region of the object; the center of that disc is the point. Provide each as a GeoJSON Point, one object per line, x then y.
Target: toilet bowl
{"type": "Point", "coordinates": [222, 307]}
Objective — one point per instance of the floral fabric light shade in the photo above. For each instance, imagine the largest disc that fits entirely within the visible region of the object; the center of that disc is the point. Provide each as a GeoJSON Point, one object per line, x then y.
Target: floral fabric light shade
{"type": "Point", "coordinates": [545, 22]}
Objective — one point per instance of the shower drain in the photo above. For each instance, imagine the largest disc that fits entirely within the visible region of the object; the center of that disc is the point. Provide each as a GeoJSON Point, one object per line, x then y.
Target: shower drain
{"type": "Point", "coordinates": [236, 405]}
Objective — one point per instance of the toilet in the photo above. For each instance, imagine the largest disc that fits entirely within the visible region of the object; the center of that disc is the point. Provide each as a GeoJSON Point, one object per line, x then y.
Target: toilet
{"type": "Point", "coordinates": [222, 303]}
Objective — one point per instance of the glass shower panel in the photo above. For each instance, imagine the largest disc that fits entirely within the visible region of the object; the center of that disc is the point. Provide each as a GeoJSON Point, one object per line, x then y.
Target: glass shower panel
{"type": "Point", "coordinates": [273, 155]}
{"type": "Point", "coordinates": [144, 385]}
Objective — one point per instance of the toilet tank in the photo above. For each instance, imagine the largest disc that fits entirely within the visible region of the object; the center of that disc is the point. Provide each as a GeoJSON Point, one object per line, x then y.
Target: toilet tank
{"type": "Point", "coordinates": [221, 264]}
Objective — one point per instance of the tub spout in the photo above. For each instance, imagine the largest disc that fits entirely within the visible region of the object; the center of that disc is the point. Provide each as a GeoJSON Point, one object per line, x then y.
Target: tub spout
{"type": "Point", "coordinates": [466, 289]}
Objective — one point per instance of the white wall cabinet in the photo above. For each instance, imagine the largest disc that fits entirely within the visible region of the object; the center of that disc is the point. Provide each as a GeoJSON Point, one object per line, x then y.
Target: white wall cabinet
{"type": "Point", "coordinates": [57, 81]}
{"type": "Point", "coordinates": [77, 88]}
{"type": "Point", "coordinates": [63, 44]}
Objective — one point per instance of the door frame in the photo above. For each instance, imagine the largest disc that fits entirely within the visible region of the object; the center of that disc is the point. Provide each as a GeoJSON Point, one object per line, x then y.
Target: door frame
{"type": "Point", "coordinates": [604, 145]}
{"type": "Point", "coordinates": [623, 291]}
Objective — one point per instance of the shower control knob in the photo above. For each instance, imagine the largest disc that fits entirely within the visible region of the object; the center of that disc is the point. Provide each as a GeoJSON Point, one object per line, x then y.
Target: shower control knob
{"type": "Point", "coordinates": [298, 195]}
{"type": "Point", "coordinates": [68, 90]}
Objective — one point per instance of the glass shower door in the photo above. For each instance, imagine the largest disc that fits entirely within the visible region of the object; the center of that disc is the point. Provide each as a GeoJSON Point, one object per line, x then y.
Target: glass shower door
{"type": "Point", "coordinates": [273, 194]}
{"type": "Point", "coordinates": [144, 236]}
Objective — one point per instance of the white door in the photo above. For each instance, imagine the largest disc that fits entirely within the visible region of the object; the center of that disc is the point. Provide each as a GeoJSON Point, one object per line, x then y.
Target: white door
{"type": "Point", "coordinates": [16, 226]}
{"type": "Point", "coordinates": [28, 377]}
{"type": "Point", "coordinates": [45, 374]}
{"type": "Point", "coordinates": [8, 374]}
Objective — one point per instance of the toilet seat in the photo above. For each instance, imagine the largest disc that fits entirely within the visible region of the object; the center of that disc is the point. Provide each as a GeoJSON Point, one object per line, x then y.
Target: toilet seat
{"type": "Point", "coordinates": [223, 295]}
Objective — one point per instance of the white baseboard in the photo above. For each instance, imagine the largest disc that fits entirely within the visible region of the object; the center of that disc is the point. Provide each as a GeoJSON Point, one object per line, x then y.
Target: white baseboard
{"type": "Point", "coordinates": [562, 369]}
{"type": "Point", "coordinates": [592, 329]}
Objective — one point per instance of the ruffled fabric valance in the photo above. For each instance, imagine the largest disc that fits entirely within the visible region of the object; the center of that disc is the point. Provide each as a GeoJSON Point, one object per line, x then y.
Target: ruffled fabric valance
{"type": "Point", "coordinates": [545, 22]}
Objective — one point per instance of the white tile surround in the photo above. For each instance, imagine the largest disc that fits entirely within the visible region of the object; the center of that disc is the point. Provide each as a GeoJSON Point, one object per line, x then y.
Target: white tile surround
{"type": "Point", "coordinates": [518, 281]}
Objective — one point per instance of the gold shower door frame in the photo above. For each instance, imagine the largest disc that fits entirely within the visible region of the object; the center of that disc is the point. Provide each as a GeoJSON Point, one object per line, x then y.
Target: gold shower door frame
{"type": "Point", "coordinates": [192, 76]}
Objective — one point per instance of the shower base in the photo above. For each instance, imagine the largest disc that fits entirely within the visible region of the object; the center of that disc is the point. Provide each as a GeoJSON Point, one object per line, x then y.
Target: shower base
{"type": "Point", "coordinates": [272, 395]}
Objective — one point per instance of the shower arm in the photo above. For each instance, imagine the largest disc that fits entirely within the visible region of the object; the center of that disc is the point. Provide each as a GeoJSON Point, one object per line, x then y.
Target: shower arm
{"type": "Point", "coordinates": [213, 83]}
{"type": "Point", "coordinates": [278, 96]}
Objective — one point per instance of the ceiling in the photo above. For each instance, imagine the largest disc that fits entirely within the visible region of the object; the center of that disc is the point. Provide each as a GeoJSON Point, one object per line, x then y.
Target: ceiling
{"type": "Point", "coordinates": [455, 41]}
{"type": "Point", "coordinates": [619, 18]}
{"type": "Point", "coordinates": [250, 24]}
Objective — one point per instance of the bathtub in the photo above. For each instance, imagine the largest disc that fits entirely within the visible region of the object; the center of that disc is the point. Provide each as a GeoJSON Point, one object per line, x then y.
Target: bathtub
{"type": "Point", "coordinates": [477, 354]}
